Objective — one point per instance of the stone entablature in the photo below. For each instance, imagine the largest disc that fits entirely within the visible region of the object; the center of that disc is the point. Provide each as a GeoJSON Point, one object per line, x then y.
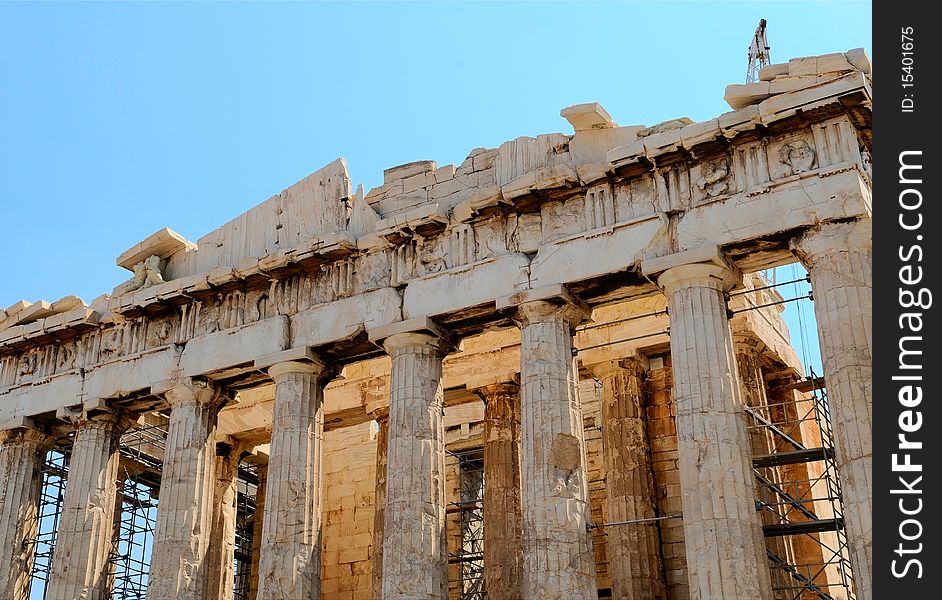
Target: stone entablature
{"type": "Point", "coordinates": [328, 264]}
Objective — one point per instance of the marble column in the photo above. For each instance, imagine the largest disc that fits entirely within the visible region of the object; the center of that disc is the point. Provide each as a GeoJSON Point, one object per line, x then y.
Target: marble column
{"type": "Point", "coordinates": [838, 258]}
{"type": "Point", "coordinates": [221, 554]}
{"type": "Point", "coordinates": [415, 550]}
{"type": "Point", "coordinates": [178, 568]}
{"type": "Point", "coordinates": [503, 521]}
{"type": "Point", "coordinates": [22, 451]}
{"type": "Point", "coordinates": [80, 563]}
{"type": "Point", "coordinates": [258, 520]}
{"type": "Point", "coordinates": [381, 416]}
{"type": "Point", "coordinates": [558, 558]}
{"type": "Point", "coordinates": [634, 550]}
{"type": "Point", "coordinates": [290, 564]}
{"type": "Point", "coordinates": [721, 528]}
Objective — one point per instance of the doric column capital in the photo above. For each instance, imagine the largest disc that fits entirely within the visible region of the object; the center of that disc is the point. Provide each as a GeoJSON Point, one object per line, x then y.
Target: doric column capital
{"type": "Point", "coordinates": [412, 334]}
{"type": "Point", "coordinates": [541, 311]}
{"type": "Point", "coordinates": [828, 238]}
{"type": "Point", "coordinates": [552, 303]}
{"type": "Point", "coordinates": [380, 415]}
{"type": "Point", "coordinates": [97, 415]}
{"type": "Point", "coordinates": [709, 275]}
{"type": "Point", "coordinates": [194, 391]}
{"type": "Point", "coordinates": [703, 266]}
{"type": "Point", "coordinates": [634, 365]}
{"type": "Point", "coordinates": [410, 340]}
{"type": "Point", "coordinates": [279, 371]}
{"type": "Point", "coordinates": [489, 392]}
{"type": "Point", "coordinates": [23, 432]}
{"type": "Point", "coordinates": [302, 360]}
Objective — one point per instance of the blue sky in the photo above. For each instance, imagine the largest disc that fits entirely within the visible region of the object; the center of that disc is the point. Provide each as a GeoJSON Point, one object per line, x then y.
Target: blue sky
{"type": "Point", "coordinates": [119, 119]}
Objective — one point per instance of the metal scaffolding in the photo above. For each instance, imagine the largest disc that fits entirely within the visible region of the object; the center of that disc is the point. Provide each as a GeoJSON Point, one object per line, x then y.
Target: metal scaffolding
{"type": "Point", "coordinates": [247, 490]}
{"type": "Point", "coordinates": [799, 497]}
{"type": "Point", "coordinates": [469, 556]}
{"type": "Point", "coordinates": [138, 487]}
{"type": "Point", "coordinates": [141, 464]}
{"type": "Point", "coordinates": [55, 469]}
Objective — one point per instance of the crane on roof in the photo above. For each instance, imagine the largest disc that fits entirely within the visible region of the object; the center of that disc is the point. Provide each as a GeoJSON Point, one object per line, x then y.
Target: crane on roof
{"type": "Point", "coordinates": [759, 55]}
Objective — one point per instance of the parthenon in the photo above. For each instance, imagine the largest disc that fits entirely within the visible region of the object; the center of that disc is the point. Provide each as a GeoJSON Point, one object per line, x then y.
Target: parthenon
{"type": "Point", "coordinates": [557, 370]}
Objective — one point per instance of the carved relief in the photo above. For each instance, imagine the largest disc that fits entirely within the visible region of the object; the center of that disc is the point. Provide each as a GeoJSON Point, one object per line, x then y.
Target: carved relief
{"type": "Point", "coordinates": [636, 200]}
{"type": "Point", "coordinates": [27, 366]}
{"type": "Point", "coordinates": [798, 155]}
{"type": "Point", "coordinates": [490, 240]}
{"type": "Point", "coordinates": [208, 320]}
{"type": "Point", "coordinates": [714, 178]}
{"type": "Point", "coordinates": [562, 218]}
{"type": "Point", "coordinates": [111, 342]}
{"type": "Point", "coordinates": [65, 357]}
{"type": "Point", "coordinates": [146, 274]}
{"type": "Point", "coordinates": [160, 333]}
{"type": "Point", "coordinates": [432, 256]}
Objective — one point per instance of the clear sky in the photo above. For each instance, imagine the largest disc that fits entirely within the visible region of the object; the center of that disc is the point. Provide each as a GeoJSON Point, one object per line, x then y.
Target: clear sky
{"type": "Point", "coordinates": [120, 119]}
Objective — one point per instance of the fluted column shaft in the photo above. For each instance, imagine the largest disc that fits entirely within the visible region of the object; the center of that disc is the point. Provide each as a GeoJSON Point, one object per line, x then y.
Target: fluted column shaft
{"type": "Point", "coordinates": [178, 569]}
{"type": "Point", "coordinates": [379, 507]}
{"type": "Point", "coordinates": [415, 550]}
{"type": "Point", "coordinates": [80, 562]}
{"type": "Point", "coordinates": [22, 451]}
{"type": "Point", "coordinates": [220, 557]}
{"type": "Point", "coordinates": [634, 550]}
{"type": "Point", "coordinates": [558, 560]}
{"type": "Point", "coordinates": [838, 258]}
{"type": "Point", "coordinates": [503, 521]}
{"type": "Point", "coordinates": [721, 528]}
{"type": "Point", "coordinates": [290, 564]}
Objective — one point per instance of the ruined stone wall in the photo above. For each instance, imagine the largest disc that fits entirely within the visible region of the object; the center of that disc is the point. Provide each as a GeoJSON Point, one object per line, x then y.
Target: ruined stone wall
{"type": "Point", "coordinates": [349, 489]}
{"type": "Point", "coordinates": [662, 433]}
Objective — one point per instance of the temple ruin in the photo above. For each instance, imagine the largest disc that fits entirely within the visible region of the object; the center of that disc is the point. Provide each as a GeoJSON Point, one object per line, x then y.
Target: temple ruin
{"type": "Point", "coordinates": [557, 370]}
